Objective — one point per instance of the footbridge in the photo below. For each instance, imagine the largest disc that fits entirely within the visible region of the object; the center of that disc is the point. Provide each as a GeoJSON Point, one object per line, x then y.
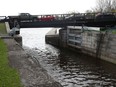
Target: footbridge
{"type": "Point", "coordinates": [61, 20]}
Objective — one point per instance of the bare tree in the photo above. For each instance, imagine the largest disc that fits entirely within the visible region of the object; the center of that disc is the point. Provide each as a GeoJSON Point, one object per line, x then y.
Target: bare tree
{"type": "Point", "coordinates": [114, 5]}
{"type": "Point", "coordinates": [100, 6]}
{"type": "Point", "coordinates": [105, 6]}
{"type": "Point", "coordinates": [108, 5]}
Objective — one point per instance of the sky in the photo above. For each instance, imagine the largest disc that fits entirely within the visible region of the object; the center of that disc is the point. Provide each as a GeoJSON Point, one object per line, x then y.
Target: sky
{"type": "Point", "coordinates": [38, 7]}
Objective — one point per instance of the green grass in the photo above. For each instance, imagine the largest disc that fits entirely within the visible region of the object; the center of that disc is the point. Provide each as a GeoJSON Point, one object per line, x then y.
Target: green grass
{"type": "Point", "coordinates": [2, 28]}
{"type": "Point", "coordinates": [114, 32]}
{"type": "Point", "coordinates": [9, 77]}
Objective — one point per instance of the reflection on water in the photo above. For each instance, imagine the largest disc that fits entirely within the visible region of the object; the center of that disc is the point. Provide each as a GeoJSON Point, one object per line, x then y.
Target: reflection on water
{"type": "Point", "coordinates": [69, 68]}
{"type": "Point", "coordinates": [34, 37]}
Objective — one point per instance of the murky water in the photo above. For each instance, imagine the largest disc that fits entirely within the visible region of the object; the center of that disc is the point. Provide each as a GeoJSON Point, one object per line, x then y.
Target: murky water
{"type": "Point", "coordinates": [69, 68]}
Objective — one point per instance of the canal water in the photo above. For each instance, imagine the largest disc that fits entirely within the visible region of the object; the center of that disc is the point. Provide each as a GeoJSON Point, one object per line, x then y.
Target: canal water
{"type": "Point", "coordinates": [69, 68]}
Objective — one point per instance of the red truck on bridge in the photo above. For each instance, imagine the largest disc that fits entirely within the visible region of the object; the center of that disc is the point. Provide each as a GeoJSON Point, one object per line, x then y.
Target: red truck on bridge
{"type": "Point", "coordinates": [47, 18]}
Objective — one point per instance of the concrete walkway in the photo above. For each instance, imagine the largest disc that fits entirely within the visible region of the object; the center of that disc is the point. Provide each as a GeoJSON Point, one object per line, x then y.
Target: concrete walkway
{"type": "Point", "coordinates": [31, 72]}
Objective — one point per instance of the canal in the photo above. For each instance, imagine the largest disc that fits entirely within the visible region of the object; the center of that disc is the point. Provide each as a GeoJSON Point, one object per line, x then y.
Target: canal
{"type": "Point", "coordinates": [69, 68]}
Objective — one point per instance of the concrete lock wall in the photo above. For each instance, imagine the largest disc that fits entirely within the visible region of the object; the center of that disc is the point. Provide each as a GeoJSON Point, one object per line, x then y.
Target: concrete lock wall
{"type": "Point", "coordinates": [95, 43]}
{"type": "Point", "coordinates": [63, 38]}
{"type": "Point", "coordinates": [89, 42]}
{"type": "Point", "coordinates": [55, 38]}
{"type": "Point", "coordinates": [100, 44]}
{"type": "Point", "coordinates": [52, 37]}
{"type": "Point", "coordinates": [108, 48]}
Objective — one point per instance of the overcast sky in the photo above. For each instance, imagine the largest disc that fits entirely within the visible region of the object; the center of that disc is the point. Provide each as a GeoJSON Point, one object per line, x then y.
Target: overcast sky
{"type": "Point", "coordinates": [36, 7]}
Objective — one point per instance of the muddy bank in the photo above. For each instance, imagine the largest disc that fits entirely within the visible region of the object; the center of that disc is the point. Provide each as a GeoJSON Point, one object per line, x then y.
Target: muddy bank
{"type": "Point", "coordinates": [31, 72]}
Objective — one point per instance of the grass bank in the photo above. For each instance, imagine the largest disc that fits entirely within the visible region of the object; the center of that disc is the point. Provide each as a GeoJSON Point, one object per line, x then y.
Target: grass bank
{"type": "Point", "coordinates": [9, 77]}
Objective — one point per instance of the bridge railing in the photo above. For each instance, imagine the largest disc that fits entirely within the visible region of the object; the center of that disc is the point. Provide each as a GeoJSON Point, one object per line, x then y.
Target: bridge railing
{"type": "Point", "coordinates": [76, 16]}
{"type": "Point", "coordinates": [54, 16]}
{"type": "Point", "coordinates": [63, 17]}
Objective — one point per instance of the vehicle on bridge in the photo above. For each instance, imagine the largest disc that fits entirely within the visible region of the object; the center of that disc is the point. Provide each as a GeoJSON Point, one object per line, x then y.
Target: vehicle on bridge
{"type": "Point", "coordinates": [47, 18]}
{"type": "Point", "coordinates": [76, 17]}
{"type": "Point", "coordinates": [24, 17]}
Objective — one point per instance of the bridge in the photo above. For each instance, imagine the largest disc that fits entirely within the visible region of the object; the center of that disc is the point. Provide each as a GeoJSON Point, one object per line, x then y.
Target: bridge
{"type": "Point", "coordinates": [62, 20]}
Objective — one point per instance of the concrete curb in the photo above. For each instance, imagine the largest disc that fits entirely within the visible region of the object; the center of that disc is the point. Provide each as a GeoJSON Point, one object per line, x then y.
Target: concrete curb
{"type": "Point", "coordinates": [7, 27]}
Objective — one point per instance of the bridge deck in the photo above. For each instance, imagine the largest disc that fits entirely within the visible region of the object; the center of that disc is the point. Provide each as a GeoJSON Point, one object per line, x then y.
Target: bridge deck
{"type": "Point", "coordinates": [62, 20]}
